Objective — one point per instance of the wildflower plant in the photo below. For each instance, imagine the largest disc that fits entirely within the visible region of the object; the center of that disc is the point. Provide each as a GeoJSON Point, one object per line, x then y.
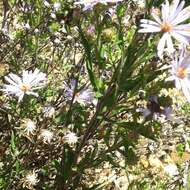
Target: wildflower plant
{"type": "Point", "coordinates": [75, 71]}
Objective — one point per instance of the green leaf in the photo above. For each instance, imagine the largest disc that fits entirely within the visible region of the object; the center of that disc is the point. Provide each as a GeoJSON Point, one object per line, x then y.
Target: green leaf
{"type": "Point", "coordinates": [56, 164]}
{"type": "Point", "coordinates": [13, 143]}
{"type": "Point", "coordinates": [142, 129]}
{"type": "Point", "coordinates": [17, 164]}
{"type": "Point", "coordinates": [89, 67]}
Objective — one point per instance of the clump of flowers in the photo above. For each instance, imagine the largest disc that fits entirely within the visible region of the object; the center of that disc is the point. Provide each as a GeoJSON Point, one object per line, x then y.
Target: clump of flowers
{"type": "Point", "coordinates": [112, 70]}
{"type": "Point", "coordinates": [19, 86]}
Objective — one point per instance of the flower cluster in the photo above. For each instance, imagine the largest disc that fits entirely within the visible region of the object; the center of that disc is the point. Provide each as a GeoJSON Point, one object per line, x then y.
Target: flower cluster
{"type": "Point", "coordinates": [169, 21]}
{"type": "Point", "coordinates": [70, 98]}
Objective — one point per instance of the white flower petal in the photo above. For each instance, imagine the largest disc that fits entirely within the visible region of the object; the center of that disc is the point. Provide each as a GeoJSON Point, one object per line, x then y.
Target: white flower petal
{"type": "Point", "coordinates": [10, 81]}
{"type": "Point", "coordinates": [185, 90]}
{"type": "Point", "coordinates": [180, 38]}
{"type": "Point", "coordinates": [156, 17]}
{"type": "Point", "coordinates": [177, 83]}
{"type": "Point", "coordinates": [162, 44]}
{"type": "Point", "coordinates": [182, 16]}
{"type": "Point", "coordinates": [169, 44]}
{"type": "Point", "coordinates": [15, 78]}
{"type": "Point", "coordinates": [20, 97]}
{"type": "Point", "coordinates": [176, 9]}
{"type": "Point", "coordinates": [149, 30]}
{"type": "Point", "coordinates": [146, 21]}
{"type": "Point", "coordinates": [165, 11]}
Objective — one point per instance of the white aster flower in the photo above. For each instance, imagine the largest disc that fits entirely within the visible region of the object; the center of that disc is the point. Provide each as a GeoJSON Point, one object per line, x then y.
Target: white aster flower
{"type": "Point", "coordinates": [71, 138]}
{"type": "Point", "coordinates": [46, 135]}
{"type": "Point", "coordinates": [30, 180]}
{"type": "Point", "coordinates": [89, 4]}
{"type": "Point", "coordinates": [180, 73]}
{"type": "Point", "coordinates": [30, 127]}
{"type": "Point", "coordinates": [19, 86]}
{"type": "Point", "coordinates": [168, 23]}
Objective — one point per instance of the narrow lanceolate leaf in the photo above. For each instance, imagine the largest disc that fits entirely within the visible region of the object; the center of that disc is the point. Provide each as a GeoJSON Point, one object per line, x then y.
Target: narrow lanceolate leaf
{"type": "Point", "coordinates": [13, 143]}
{"type": "Point", "coordinates": [89, 65]}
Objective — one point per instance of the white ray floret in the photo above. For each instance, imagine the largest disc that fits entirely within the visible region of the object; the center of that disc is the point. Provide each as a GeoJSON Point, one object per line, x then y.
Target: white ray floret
{"type": "Point", "coordinates": [168, 21]}
{"type": "Point", "coordinates": [180, 73]}
{"type": "Point", "coordinates": [19, 86]}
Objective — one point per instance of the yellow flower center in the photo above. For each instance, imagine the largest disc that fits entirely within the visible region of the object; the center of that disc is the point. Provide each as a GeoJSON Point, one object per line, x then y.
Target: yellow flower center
{"type": "Point", "coordinates": [25, 87]}
{"type": "Point", "coordinates": [166, 27]}
{"type": "Point", "coordinates": [181, 72]}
